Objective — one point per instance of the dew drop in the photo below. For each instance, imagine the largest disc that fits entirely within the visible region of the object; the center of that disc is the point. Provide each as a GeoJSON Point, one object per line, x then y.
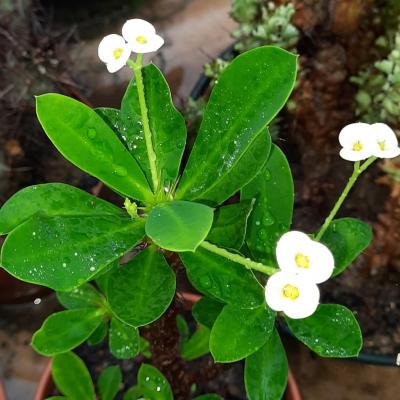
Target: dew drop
{"type": "Point", "coordinates": [262, 234]}
{"type": "Point", "coordinates": [120, 171]}
{"type": "Point", "coordinates": [158, 389]}
{"type": "Point", "coordinates": [37, 301]}
{"type": "Point", "coordinates": [92, 269]}
{"type": "Point", "coordinates": [91, 133]}
{"type": "Point", "coordinates": [268, 219]}
{"type": "Point", "coordinates": [267, 175]}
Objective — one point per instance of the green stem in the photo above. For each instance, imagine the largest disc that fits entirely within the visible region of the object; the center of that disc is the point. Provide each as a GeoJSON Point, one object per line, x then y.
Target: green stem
{"type": "Point", "coordinates": [358, 170]}
{"type": "Point", "coordinates": [137, 70]}
{"type": "Point", "coordinates": [249, 264]}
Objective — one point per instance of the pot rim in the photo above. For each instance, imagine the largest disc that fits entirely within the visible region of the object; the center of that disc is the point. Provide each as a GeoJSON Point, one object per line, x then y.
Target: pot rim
{"type": "Point", "coordinates": [45, 385]}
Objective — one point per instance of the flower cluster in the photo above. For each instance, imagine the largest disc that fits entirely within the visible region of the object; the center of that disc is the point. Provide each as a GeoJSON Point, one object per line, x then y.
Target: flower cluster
{"type": "Point", "coordinates": [361, 141]}
{"type": "Point", "coordinates": [303, 264]}
{"type": "Point", "coordinates": [138, 36]}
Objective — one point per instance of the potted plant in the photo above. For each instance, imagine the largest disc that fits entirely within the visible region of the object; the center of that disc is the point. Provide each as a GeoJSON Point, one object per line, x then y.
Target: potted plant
{"type": "Point", "coordinates": [242, 256]}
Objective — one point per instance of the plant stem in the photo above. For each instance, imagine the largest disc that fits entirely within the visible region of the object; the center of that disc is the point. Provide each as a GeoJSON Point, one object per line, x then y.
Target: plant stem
{"type": "Point", "coordinates": [137, 70]}
{"type": "Point", "coordinates": [249, 264]}
{"type": "Point", "coordinates": [358, 170]}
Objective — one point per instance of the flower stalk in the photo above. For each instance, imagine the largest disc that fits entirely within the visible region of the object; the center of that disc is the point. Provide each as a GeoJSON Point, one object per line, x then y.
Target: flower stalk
{"type": "Point", "coordinates": [358, 170]}
{"type": "Point", "coordinates": [246, 262]}
{"type": "Point", "coordinates": [137, 70]}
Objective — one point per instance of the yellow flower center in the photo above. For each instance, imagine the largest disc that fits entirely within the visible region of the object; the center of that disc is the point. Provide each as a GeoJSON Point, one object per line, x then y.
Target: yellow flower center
{"type": "Point", "coordinates": [141, 39]}
{"type": "Point", "coordinates": [382, 145]}
{"type": "Point", "coordinates": [302, 261]}
{"type": "Point", "coordinates": [118, 53]}
{"type": "Point", "coordinates": [291, 292]}
{"type": "Point", "coordinates": [357, 146]}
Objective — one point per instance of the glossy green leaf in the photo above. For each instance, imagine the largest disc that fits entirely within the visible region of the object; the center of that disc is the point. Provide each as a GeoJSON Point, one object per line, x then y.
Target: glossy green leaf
{"type": "Point", "coordinates": [52, 199]}
{"type": "Point", "coordinates": [346, 238]}
{"type": "Point", "coordinates": [140, 291]}
{"type": "Point", "coordinates": [273, 191]}
{"type": "Point", "coordinates": [145, 347]}
{"type": "Point", "coordinates": [197, 345]}
{"type": "Point", "coordinates": [99, 334]}
{"type": "Point", "coordinates": [102, 277]}
{"type": "Point", "coordinates": [237, 333]}
{"type": "Point", "coordinates": [56, 398]}
{"type": "Point", "coordinates": [266, 371]}
{"type": "Point", "coordinates": [166, 124]}
{"type": "Point", "coordinates": [84, 139]}
{"type": "Point", "coordinates": [222, 279]}
{"type": "Point", "coordinates": [230, 223]}
{"type": "Point", "coordinates": [249, 94]}
{"type": "Point", "coordinates": [210, 396]}
{"type": "Point", "coordinates": [179, 225]}
{"type": "Point", "coordinates": [206, 311]}
{"type": "Point", "coordinates": [81, 297]}
{"type": "Point", "coordinates": [72, 377]}
{"type": "Point", "coordinates": [65, 330]}
{"type": "Point", "coordinates": [109, 382]}
{"type": "Point", "coordinates": [64, 252]}
{"type": "Point", "coordinates": [153, 383]}
{"type": "Point", "coordinates": [123, 340]}
{"type": "Point", "coordinates": [332, 331]}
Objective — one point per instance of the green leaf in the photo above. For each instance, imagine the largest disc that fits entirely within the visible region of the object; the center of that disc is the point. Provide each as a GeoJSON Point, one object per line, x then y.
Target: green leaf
{"type": "Point", "coordinates": [52, 199]}
{"type": "Point", "coordinates": [266, 371]}
{"type": "Point", "coordinates": [206, 311]}
{"type": "Point", "coordinates": [81, 297]}
{"type": "Point", "coordinates": [346, 238]}
{"type": "Point", "coordinates": [198, 344]}
{"type": "Point", "coordinates": [332, 331]}
{"type": "Point", "coordinates": [133, 393]}
{"type": "Point", "coordinates": [72, 377]}
{"type": "Point", "coordinates": [179, 225]}
{"type": "Point", "coordinates": [56, 398]}
{"type": "Point", "coordinates": [84, 139]}
{"type": "Point", "coordinates": [230, 223]}
{"type": "Point", "coordinates": [123, 340]}
{"type": "Point", "coordinates": [65, 330]}
{"type": "Point", "coordinates": [99, 334]}
{"type": "Point", "coordinates": [273, 191]}
{"type": "Point", "coordinates": [140, 291]}
{"type": "Point", "coordinates": [103, 276]}
{"type": "Point", "coordinates": [237, 333]}
{"type": "Point", "coordinates": [183, 328]}
{"type": "Point", "coordinates": [166, 124]}
{"type": "Point", "coordinates": [222, 279]}
{"type": "Point", "coordinates": [210, 396]}
{"type": "Point", "coordinates": [64, 252]}
{"type": "Point", "coordinates": [249, 94]}
{"type": "Point", "coordinates": [145, 347]}
{"type": "Point", "coordinates": [153, 383]}
{"type": "Point", "coordinates": [109, 382]}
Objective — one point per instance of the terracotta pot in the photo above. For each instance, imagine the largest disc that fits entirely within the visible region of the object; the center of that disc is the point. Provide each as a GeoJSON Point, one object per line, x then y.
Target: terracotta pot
{"type": "Point", "coordinates": [2, 391]}
{"type": "Point", "coordinates": [46, 385]}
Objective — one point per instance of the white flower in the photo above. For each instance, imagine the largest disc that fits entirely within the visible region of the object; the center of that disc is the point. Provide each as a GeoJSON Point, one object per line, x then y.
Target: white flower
{"type": "Point", "coordinates": [141, 36]}
{"type": "Point", "coordinates": [114, 51]}
{"type": "Point", "coordinates": [386, 144]}
{"type": "Point", "coordinates": [358, 141]}
{"type": "Point", "coordinates": [293, 294]}
{"type": "Point", "coordinates": [296, 253]}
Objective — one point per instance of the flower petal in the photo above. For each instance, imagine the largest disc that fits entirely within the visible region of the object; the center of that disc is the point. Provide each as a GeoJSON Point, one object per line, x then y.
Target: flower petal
{"type": "Point", "coordinates": [137, 27]}
{"type": "Point", "coordinates": [287, 247]}
{"type": "Point", "coordinates": [322, 263]}
{"type": "Point", "coordinates": [351, 155]}
{"type": "Point", "coordinates": [154, 42]}
{"type": "Point", "coordinates": [355, 132]}
{"type": "Point", "coordinates": [108, 45]}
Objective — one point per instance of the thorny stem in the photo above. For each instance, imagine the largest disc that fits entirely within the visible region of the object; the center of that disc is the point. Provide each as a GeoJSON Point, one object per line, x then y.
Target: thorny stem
{"type": "Point", "coordinates": [249, 264]}
{"type": "Point", "coordinates": [137, 70]}
{"type": "Point", "coordinates": [358, 170]}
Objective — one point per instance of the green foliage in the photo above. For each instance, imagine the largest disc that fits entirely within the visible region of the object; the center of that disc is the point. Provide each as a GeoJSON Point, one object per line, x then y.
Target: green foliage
{"type": "Point", "coordinates": [222, 279]}
{"type": "Point", "coordinates": [140, 291]}
{"type": "Point", "coordinates": [153, 383]}
{"type": "Point", "coordinates": [332, 331]}
{"type": "Point", "coordinates": [266, 371]}
{"type": "Point", "coordinates": [109, 382]}
{"type": "Point", "coordinates": [231, 146]}
{"type": "Point", "coordinates": [206, 311]}
{"type": "Point", "coordinates": [179, 225]}
{"type": "Point", "coordinates": [124, 340]}
{"type": "Point", "coordinates": [237, 333]}
{"type": "Point", "coordinates": [65, 330]}
{"type": "Point", "coordinates": [197, 345]}
{"type": "Point", "coordinates": [273, 192]}
{"type": "Point", "coordinates": [72, 377]}
{"type": "Point", "coordinates": [346, 238]}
